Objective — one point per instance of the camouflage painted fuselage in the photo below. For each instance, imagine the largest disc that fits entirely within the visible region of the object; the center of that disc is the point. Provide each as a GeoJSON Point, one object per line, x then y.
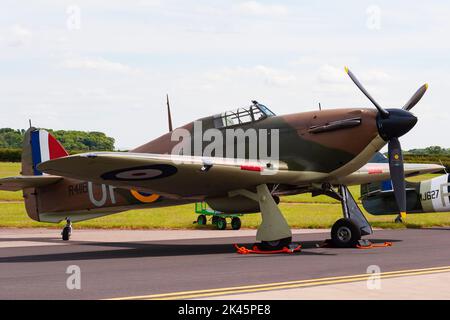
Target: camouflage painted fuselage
{"type": "Point", "coordinates": [301, 145]}
{"type": "Point", "coordinates": [320, 145]}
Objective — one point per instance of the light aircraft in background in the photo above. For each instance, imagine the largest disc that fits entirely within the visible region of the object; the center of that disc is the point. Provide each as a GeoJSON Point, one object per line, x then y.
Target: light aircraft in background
{"type": "Point", "coordinates": [431, 195]}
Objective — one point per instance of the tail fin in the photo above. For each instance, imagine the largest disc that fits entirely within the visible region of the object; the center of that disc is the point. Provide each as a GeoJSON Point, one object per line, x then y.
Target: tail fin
{"type": "Point", "coordinates": [44, 147]}
{"type": "Point", "coordinates": [38, 146]}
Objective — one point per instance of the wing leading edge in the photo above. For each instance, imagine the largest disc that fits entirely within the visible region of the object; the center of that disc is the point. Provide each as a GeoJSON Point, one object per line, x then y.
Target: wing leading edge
{"type": "Point", "coordinates": [198, 177]}
{"type": "Point", "coordinates": [176, 176]}
{"type": "Point", "coordinates": [374, 172]}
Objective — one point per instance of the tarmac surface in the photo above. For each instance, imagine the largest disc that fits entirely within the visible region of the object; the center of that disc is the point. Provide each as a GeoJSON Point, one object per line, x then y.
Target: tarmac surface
{"type": "Point", "coordinates": [200, 264]}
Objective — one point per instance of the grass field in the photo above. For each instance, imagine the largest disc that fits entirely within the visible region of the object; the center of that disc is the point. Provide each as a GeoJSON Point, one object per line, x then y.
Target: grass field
{"type": "Point", "coordinates": [9, 169]}
{"type": "Point", "coordinates": [301, 211]}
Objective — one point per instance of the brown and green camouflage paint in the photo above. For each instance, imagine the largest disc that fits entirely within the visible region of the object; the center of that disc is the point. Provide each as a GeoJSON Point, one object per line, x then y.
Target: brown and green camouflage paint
{"type": "Point", "coordinates": [300, 148]}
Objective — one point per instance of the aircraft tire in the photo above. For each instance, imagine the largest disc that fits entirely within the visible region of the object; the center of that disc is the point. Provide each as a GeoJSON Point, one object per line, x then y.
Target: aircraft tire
{"type": "Point", "coordinates": [345, 234]}
{"type": "Point", "coordinates": [274, 245]}
{"type": "Point", "coordinates": [221, 223]}
{"type": "Point", "coordinates": [66, 233]}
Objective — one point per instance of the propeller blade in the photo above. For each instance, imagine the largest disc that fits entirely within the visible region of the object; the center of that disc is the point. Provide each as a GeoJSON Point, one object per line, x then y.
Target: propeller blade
{"type": "Point", "coordinates": [382, 111]}
{"type": "Point", "coordinates": [397, 174]}
{"type": "Point", "coordinates": [416, 97]}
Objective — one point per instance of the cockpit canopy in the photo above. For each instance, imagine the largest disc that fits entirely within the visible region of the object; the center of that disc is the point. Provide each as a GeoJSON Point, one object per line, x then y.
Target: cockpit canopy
{"type": "Point", "coordinates": [253, 113]}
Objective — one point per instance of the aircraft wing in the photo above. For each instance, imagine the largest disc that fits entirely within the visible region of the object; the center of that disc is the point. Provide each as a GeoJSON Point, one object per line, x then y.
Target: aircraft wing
{"type": "Point", "coordinates": [21, 182]}
{"type": "Point", "coordinates": [168, 175]}
{"type": "Point", "coordinates": [373, 172]}
{"type": "Point", "coordinates": [197, 177]}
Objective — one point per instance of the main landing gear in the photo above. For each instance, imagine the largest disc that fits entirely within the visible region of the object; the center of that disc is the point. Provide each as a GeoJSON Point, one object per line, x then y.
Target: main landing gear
{"type": "Point", "coordinates": [274, 232]}
{"type": "Point", "coordinates": [67, 230]}
{"type": "Point", "coordinates": [347, 231]}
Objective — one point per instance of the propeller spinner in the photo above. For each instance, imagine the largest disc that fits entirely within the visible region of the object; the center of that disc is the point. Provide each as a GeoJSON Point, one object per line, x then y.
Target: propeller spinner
{"type": "Point", "coordinates": [392, 124]}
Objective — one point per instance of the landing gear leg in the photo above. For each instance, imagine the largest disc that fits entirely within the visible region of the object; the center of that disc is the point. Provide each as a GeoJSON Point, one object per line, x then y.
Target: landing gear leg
{"type": "Point", "coordinates": [274, 232]}
{"type": "Point", "coordinates": [67, 230]}
{"type": "Point", "coordinates": [347, 232]}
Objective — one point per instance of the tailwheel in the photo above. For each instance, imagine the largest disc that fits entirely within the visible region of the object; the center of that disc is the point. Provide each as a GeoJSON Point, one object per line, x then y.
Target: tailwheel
{"type": "Point", "coordinates": [274, 245]}
{"type": "Point", "coordinates": [221, 223]}
{"type": "Point", "coordinates": [345, 233]}
{"type": "Point", "coordinates": [236, 223]}
{"type": "Point", "coordinates": [67, 230]}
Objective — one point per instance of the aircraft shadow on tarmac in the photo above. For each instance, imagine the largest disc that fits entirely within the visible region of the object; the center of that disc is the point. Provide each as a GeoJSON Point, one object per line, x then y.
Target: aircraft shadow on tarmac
{"type": "Point", "coordinates": [155, 249]}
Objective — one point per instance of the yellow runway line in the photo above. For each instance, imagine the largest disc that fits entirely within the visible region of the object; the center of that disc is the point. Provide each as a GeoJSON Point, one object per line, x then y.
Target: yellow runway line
{"type": "Point", "coordinates": [283, 285]}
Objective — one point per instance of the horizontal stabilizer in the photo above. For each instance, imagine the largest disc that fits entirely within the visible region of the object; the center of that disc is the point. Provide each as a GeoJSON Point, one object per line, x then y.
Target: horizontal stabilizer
{"type": "Point", "coordinates": [21, 182]}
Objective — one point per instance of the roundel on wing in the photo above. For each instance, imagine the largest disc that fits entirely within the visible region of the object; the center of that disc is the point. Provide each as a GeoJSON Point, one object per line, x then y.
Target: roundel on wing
{"type": "Point", "coordinates": [150, 172]}
{"type": "Point", "coordinates": [144, 197]}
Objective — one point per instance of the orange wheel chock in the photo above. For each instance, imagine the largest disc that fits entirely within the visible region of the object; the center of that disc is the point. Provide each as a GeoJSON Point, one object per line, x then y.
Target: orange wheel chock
{"type": "Point", "coordinates": [365, 244]}
{"type": "Point", "coordinates": [244, 250]}
{"type": "Point", "coordinates": [375, 245]}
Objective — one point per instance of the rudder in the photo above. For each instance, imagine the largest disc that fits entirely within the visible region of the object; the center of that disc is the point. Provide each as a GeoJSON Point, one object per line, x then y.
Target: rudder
{"type": "Point", "coordinates": [38, 146]}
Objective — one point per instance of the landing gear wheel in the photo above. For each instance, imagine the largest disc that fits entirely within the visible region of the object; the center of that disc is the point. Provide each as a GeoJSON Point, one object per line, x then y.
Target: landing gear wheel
{"type": "Point", "coordinates": [201, 220]}
{"type": "Point", "coordinates": [345, 234]}
{"type": "Point", "coordinates": [66, 232]}
{"type": "Point", "coordinates": [221, 223]}
{"type": "Point", "coordinates": [235, 223]}
{"type": "Point", "coordinates": [214, 220]}
{"type": "Point", "coordinates": [274, 245]}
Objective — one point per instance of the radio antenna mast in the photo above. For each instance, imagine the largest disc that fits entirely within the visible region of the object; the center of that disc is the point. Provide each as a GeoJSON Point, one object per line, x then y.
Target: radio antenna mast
{"type": "Point", "coordinates": [169, 116]}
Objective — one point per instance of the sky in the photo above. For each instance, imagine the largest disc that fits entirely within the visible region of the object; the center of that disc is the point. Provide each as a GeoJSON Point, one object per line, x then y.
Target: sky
{"type": "Point", "coordinates": [107, 65]}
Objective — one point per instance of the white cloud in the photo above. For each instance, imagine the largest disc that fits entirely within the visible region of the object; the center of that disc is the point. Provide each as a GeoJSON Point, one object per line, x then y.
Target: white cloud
{"type": "Point", "coordinates": [307, 60]}
{"type": "Point", "coordinates": [150, 3]}
{"type": "Point", "coordinates": [260, 73]}
{"type": "Point", "coordinates": [99, 64]}
{"type": "Point", "coordinates": [275, 77]}
{"type": "Point", "coordinates": [329, 74]}
{"type": "Point", "coordinates": [259, 9]}
{"type": "Point", "coordinates": [18, 35]}
{"type": "Point", "coordinates": [192, 49]}
{"type": "Point", "coordinates": [376, 76]}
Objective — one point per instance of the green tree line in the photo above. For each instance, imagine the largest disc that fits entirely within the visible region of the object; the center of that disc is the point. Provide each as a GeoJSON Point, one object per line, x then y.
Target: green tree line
{"type": "Point", "coordinates": [70, 139]}
{"type": "Point", "coordinates": [432, 154]}
{"type": "Point", "coordinates": [430, 151]}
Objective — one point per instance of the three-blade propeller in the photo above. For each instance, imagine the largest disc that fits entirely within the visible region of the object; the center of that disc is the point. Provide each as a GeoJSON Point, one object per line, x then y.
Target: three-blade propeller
{"type": "Point", "coordinates": [392, 124]}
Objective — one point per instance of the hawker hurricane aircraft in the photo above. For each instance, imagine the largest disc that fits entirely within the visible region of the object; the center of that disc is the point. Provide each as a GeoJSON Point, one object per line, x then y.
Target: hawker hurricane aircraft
{"type": "Point", "coordinates": [319, 152]}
